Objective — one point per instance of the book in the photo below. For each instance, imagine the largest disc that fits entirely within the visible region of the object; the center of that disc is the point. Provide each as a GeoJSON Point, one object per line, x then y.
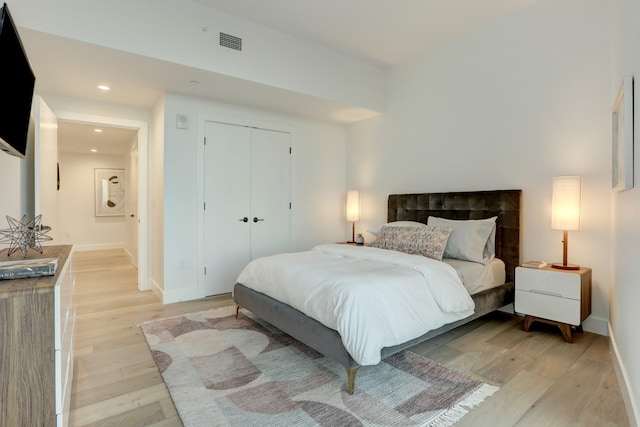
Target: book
{"type": "Point", "coordinates": [26, 268]}
{"type": "Point", "coordinates": [534, 264]}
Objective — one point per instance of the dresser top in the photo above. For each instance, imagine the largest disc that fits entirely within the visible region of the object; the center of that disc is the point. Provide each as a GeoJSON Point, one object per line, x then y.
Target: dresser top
{"type": "Point", "coordinates": [35, 284]}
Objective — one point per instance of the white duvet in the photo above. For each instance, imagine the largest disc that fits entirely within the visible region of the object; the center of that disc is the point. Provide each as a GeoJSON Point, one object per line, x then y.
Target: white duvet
{"type": "Point", "coordinates": [374, 298]}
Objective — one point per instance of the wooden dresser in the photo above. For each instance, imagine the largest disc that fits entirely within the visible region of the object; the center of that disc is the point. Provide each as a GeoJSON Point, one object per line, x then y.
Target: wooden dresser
{"type": "Point", "coordinates": [37, 318]}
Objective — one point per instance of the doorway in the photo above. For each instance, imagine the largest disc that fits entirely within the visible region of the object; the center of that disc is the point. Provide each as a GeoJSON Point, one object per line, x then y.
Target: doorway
{"type": "Point", "coordinates": [140, 209]}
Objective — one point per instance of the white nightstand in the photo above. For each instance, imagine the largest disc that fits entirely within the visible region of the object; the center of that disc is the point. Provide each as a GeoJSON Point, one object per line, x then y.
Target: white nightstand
{"type": "Point", "coordinates": [554, 296]}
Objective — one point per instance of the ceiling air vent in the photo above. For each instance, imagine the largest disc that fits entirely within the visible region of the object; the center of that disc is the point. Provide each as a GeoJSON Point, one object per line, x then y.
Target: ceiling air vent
{"type": "Point", "coordinates": [232, 42]}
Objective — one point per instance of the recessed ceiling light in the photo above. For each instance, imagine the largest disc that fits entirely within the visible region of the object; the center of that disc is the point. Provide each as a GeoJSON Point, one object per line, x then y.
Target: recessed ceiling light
{"type": "Point", "coordinates": [93, 150]}
{"type": "Point", "coordinates": [104, 87]}
{"type": "Point", "coordinates": [97, 130]}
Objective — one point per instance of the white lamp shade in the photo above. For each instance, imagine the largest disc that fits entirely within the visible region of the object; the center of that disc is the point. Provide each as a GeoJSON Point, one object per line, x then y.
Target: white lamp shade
{"type": "Point", "coordinates": [353, 205]}
{"type": "Point", "coordinates": [565, 203]}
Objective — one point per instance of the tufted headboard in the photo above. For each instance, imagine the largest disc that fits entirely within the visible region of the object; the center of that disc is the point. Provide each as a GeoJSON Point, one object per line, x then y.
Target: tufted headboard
{"type": "Point", "coordinates": [468, 205]}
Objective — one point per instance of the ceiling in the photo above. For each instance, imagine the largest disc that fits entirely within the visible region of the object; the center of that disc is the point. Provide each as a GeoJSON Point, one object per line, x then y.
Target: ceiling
{"type": "Point", "coordinates": [382, 32]}
{"type": "Point", "coordinates": [82, 138]}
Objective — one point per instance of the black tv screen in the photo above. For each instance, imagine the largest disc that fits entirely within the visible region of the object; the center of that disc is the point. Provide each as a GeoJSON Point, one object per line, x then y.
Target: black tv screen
{"type": "Point", "coordinates": [17, 83]}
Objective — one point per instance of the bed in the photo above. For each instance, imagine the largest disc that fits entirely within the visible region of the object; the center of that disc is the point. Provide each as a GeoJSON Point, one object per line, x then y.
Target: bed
{"type": "Point", "coordinates": [459, 206]}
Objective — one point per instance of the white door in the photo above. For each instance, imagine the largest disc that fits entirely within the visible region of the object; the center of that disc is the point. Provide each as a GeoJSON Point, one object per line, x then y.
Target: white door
{"type": "Point", "coordinates": [45, 167]}
{"type": "Point", "coordinates": [132, 205]}
{"type": "Point", "coordinates": [227, 185]}
{"type": "Point", "coordinates": [270, 193]}
{"type": "Point", "coordinates": [247, 186]}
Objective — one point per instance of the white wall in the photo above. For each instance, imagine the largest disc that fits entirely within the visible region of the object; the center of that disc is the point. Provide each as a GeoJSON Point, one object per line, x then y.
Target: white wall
{"type": "Point", "coordinates": [318, 183]}
{"type": "Point", "coordinates": [625, 292]}
{"type": "Point", "coordinates": [45, 162]}
{"type": "Point", "coordinates": [62, 104]}
{"type": "Point", "coordinates": [508, 107]}
{"type": "Point", "coordinates": [76, 203]}
{"type": "Point", "coordinates": [16, 190]}
{"type": "Point", "coordinates": [172, 30]}
{"type": "Point", "coordinates": [11, 191]}
{"type": "Point", "coordinates": [156, 195]}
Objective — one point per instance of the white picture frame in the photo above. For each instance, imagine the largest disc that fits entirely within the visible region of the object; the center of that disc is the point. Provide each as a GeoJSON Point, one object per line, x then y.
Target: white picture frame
{"type": "Point", "coordinates": [622, 137]}
{"type": "Point", "coordinates": [109, 192]}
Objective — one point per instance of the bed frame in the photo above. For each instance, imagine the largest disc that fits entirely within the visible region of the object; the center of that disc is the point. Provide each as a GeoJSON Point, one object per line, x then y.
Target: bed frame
{"type": "Point", "coordinates": [505, 204]}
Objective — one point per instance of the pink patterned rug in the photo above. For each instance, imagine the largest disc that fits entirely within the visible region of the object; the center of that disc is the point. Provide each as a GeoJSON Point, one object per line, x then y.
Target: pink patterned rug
{"type": "Point", "coordinates": [223, 371]}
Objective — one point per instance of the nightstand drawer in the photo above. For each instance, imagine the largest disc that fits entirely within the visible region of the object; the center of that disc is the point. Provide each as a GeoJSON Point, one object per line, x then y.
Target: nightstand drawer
{"type": "Point", "coordinates": [565, 310]}
{"type": "Point", "coordinates": [550, 282]}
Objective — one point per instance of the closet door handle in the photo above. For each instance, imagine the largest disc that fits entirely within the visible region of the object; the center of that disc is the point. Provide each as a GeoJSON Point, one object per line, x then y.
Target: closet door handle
{"type": "Point", "coordinates": [256, 219]}
{"type": "Point", "coordinates": [245, 219]}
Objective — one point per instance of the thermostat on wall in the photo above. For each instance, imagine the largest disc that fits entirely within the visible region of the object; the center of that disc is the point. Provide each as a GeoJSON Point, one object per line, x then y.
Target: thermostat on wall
{"type": "Point", "coordinates": [182, 121]}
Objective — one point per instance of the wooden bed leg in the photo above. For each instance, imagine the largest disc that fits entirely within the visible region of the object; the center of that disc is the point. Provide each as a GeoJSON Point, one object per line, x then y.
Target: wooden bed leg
{"type": "Point", "coordinates": [351, 378]}
{"type": "Point", "coordinates": [237, 310]}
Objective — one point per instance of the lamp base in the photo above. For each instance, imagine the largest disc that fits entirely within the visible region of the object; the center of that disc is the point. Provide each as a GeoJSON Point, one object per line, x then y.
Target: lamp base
{"type": "Point", "coordinates": [562, 266]}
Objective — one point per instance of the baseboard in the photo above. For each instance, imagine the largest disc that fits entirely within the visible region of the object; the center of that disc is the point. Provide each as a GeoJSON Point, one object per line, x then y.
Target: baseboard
{"type": "Point", "coordinates": [507, 309]}
{"type": "Point", "coordinates": [175, 296]}
{"type": "Point", "coordinates": [157, 290]}
{"type": "Point", "coordinates": [592, 324]}
{"type": "Point", "coordinates": [134, 260]}
{"type": "Point", "coordinates": [98, 246]}
{"type": "Point", "coordinates": [623, 381]}
{"type": "Point", "coordinates": [597, 325]}
{"type": "Point", "coordinates": [188, 294]}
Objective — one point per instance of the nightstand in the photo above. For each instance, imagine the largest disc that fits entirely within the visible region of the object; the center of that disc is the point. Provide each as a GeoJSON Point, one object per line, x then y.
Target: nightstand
{"type": "Point", "coordinates": [553, 296]}
{"type": "Point", "coordinates": [351, 243]}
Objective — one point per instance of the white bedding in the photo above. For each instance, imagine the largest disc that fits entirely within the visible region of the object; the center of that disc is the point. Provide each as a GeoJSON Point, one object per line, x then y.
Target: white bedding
{"type": "Point", "coordinates": [478, 277]}
{"type": "Point", "coordinates": [374, 298]}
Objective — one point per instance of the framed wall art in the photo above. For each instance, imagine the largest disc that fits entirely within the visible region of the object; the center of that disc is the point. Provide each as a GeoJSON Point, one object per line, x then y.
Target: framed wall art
{"type": "Point", "coordinates": [109, 192]}
{"type": "Point", "coordinates": [622, 137]}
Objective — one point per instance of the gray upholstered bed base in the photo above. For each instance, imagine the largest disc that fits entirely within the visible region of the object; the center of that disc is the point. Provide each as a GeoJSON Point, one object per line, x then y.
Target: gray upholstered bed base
{"type": "Point", "coordinates": [328, 342]}
{"type": "Point", "coordinates": [416, 207]}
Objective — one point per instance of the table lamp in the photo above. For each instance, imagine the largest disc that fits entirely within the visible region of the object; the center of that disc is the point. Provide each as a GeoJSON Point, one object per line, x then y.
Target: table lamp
{"type": "Point", "coordinates": [565, 212]}
{"type": "Point", "coordinates": [353, 211]}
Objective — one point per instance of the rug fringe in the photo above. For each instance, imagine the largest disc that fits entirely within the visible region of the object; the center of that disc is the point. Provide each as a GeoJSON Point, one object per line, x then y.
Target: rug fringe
{"type": "Point", "coordinates": [455, 414]}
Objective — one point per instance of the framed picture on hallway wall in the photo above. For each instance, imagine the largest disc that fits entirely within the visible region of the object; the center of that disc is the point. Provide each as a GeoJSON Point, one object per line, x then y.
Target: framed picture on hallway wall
{"type": "Point", "coordinates": [622, 137]}
{"type": "Point", "coordinates": [109, 192]}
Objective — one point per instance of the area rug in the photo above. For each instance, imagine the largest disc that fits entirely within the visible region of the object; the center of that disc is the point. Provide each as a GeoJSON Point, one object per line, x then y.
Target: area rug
{"type": "Point", "coordinates": [223, 371]}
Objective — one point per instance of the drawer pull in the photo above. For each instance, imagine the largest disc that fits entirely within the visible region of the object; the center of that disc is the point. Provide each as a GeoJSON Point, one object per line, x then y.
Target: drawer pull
{"type": "Point", "coordinates": [553, 294]}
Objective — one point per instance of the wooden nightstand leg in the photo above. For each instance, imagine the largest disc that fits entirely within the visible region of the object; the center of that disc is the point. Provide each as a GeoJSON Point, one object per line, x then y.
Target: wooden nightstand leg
{"type": "Point", "coordinates": [528, 320]}
{"type": "Point", "coordinates": [566, 332]}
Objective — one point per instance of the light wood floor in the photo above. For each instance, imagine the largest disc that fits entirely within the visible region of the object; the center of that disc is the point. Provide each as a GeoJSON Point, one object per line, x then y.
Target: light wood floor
{"type": "Point", "coordinates": [543, 380]}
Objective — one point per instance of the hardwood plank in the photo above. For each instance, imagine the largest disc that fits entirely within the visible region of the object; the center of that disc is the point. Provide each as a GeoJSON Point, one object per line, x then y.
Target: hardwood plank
{"type": "Point", "coordinates": [561, 356]}
{"type": "Point", "coordinates": [605, 408]}
{"type": "Point", "coordinates": [145, 415]}
{"type": "Point", "coordinates": [508, 404]}
{"type": "Point", "coordinates": [118, 387]}
{"type": "Point", "coordinates": [118, 405]}
{"type": "Point", "coordinates": [567, 399]}
{"type": "Point", "coordinates": [473, 357]}
{"type": "Point", "coordinates": [523, 352]}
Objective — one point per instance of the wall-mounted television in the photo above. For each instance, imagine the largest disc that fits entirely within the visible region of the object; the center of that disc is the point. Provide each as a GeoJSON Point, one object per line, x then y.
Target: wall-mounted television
{"type": "Point", "coordinates": [17, 83]}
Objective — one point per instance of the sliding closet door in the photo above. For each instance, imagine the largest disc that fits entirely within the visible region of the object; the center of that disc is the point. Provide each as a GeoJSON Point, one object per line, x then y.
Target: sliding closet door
{"type": "Point", "coordinates": [227, 186]}
{"type": "Point", "coordinates": [270, 193]}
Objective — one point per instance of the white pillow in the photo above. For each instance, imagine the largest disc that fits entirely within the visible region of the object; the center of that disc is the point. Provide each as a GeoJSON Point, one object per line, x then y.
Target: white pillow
{"type": "Point", "coordinates": [470, 240]}
{"type": "Point", "coordinates": [376, 230]}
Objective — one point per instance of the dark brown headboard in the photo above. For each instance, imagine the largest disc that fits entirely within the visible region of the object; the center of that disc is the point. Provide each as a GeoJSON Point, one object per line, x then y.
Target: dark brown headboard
{"type": "Point", "coordinates": [468, 205]}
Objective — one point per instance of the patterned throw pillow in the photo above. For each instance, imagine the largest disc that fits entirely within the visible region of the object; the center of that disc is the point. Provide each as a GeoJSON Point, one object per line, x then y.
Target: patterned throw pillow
{"type": "Point", "coordinates": [426, 241]}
